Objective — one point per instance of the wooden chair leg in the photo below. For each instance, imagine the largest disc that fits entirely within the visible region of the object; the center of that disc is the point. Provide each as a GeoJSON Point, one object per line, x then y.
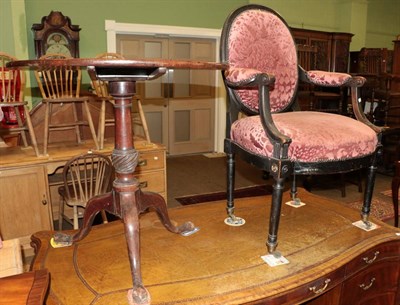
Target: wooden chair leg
{"type": "Point", "coordinates": [77, 127]}
{"type": "Point", "coordinates": [21, 127]}
{"type": "Point", "coordinates": [46, 127]}
{"type": "Point", "coordinates": [360, 181]}
{"type": "Point", "coordinates": [343, 184]}
{"type": "Point", "coordinates": [275, 214]}
{"type": "Point", "coordinates": [369, 187]}
{"type": "Point", "coordinates": [91, 125]}
{"type": "Point", "coordinates": [76, 219]}
{"type": "Point", "coordinates": [102, 124]}
{"type": "Point", "coordinates": [104, 216]}
{"type": "Point", "coordinates": [31, 131]}
{"type": "Point", "coordinates": [60, 213]}
{"type": "Point", "coordinates": [144, 122]}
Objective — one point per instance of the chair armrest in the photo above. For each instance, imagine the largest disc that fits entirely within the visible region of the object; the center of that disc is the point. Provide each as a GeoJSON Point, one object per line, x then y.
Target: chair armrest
{"type": "Point", "coordinates": [243, 77]}
{"type": "Point", "coordinates": [324, 78]}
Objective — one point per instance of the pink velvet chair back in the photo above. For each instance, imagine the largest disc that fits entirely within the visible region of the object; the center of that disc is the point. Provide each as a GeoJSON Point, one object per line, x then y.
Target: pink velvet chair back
{"type": "Point", "coordinates": [260, 39]}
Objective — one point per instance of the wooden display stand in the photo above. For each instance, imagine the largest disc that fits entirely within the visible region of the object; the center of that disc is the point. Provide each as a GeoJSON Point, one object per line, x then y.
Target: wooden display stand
{"type": "Point", "coordinates": [330, 260]}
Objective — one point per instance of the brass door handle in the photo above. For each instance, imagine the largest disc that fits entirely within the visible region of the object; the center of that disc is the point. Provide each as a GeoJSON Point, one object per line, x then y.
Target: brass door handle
{"type": "Point", "coordinates": [322, 289]}
{"type": "Point", "coordinates": [367, 286]}
{"type": "Point", "coordinates": [371, 260]}
{"type": "Point", "coordinates": [142, 162]}
{"type": "Point", "coordinates": [143, 184]}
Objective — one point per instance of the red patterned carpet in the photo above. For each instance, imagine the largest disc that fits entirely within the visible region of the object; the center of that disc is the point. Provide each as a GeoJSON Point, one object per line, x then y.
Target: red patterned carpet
{"type": "Point", "coordinates": [381, 209]}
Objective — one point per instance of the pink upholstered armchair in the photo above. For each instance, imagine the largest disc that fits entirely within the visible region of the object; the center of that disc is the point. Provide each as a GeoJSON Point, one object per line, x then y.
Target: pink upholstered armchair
{"type": "Point", "coordinates": [262, 82]}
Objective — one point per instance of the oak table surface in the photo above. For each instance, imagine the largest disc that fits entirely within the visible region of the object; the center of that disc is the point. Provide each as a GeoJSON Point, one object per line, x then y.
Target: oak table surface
{"type": "Point", "coordinates": [217, 265]}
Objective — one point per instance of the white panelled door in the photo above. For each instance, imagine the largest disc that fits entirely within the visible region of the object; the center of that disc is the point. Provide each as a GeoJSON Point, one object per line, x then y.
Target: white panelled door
{"type": "Point", "coordinates": [179, 106]}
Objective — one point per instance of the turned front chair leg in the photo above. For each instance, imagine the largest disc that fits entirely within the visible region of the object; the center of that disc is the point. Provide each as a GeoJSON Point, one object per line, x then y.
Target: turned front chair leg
{"type": "Point", "coordinates": [366, 208]}
{"type": "Point", "coordinates": [275, 214]}
{"type": "Point", "coordinates": [230, 208]}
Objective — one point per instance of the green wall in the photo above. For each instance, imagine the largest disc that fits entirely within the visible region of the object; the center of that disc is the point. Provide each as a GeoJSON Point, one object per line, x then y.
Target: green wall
{"type": "Point", "coordinates": [374, 23]}
{"type": "Point", "coordinates": [90, 15]}
{"type": "Point", "coordinates": [383, 21]}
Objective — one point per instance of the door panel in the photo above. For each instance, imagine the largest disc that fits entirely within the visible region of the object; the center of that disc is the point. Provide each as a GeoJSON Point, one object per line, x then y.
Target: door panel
{"type": "Point", "coordinates": [179, 106]}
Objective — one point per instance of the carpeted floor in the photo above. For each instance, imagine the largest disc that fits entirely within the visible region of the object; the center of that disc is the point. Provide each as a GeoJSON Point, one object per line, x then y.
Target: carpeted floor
{"type": "Point", "coordinates": [197, 177]}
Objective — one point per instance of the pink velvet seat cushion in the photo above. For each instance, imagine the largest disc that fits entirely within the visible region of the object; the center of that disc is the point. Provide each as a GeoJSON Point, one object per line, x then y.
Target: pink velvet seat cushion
{"type": "Point", "coordinates": [316, 136]}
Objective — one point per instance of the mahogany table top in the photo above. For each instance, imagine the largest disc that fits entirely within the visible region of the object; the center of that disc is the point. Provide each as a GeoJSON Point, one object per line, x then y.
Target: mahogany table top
{"type": "Point", "coordinates": [217, 265]}
{"type": "Point", "coordinates": [99, 62]}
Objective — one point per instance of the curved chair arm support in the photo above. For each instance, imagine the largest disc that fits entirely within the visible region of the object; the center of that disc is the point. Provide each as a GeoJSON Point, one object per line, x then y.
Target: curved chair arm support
{"type": "Point", "coordinates": [240, 77]}
{"type": "Point", "coordinates": [354, 83]}
{"type": "Point", "coordinates": [279, 140]}
{"type": "Point", "coordinates": [333, 79]}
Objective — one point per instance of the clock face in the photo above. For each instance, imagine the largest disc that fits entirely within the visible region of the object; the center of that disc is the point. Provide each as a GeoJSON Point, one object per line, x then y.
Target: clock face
{"type": "Point", "coordinates": [57, 44]}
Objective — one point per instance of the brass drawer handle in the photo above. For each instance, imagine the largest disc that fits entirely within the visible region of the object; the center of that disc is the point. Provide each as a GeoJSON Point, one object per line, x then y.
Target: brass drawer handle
{"type": "Point", "coordinates": [366, 287]}
{"type": "Point", "coordinates": [370, 261]}
{"type": "Point", "coordinates": [317, 291]}
{"type": "Point", "coordinates": [143, 184]}
{"type": "Point", "coordinates": [142, 162]}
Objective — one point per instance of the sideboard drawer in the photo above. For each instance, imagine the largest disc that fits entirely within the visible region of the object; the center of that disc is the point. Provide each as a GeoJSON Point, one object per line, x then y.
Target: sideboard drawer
{"type": "Point", "coordinates": [374, 255]}
{"type": "Point", "coordinates": [377, 284]}
{"type": "Point", "coordinates": [308, 291]}
{"type": "Point", "coordinates": [150, 160]}
{"type": "Point", "coordinates": [152, 181]}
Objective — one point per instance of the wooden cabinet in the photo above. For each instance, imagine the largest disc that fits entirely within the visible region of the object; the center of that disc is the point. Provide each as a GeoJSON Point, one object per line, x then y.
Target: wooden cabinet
{"type": "Point", "coordinates": [333, 48]}
{"type": "Point", "coordinates": [29, 199]}
{"type": "Point", "coordinates": [24, 202]}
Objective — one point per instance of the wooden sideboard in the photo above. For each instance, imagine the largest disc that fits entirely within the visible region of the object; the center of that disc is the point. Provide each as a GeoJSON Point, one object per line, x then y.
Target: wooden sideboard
{"type": "Point", "coordinates": [331, 262]}
{"type": "Point", "coordinates": [29, 185]}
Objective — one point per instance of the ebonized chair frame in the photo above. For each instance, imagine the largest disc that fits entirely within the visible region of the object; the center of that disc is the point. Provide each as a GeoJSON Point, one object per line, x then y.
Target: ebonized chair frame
{"type": "Point", "coordinates": [279, 165]}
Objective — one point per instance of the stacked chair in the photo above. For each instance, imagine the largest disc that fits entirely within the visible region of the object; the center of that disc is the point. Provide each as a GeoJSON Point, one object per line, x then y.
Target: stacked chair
{"type": "Point", "coordinates": [14, 110]}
